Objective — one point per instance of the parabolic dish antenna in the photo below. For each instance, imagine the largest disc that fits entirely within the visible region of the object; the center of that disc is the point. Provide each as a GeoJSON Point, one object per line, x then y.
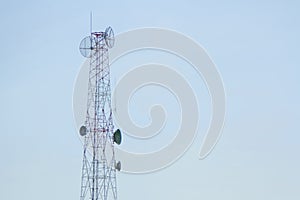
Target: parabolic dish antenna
{"type": "Point", "coordinates": [83, 130]}
{"type": "Point", "coordinates": [87, 45]}
{"type": "Point", "coordinates": [118, 166]}
{"type": "Point", "coordinates": [109, 37]}
{"type": "Point", "coordinates": [117, 136]}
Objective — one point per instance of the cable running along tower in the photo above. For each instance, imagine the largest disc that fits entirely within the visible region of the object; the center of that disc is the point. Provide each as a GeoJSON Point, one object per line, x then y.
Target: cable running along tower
{"type": "Point", "coordinates": [98, 181]}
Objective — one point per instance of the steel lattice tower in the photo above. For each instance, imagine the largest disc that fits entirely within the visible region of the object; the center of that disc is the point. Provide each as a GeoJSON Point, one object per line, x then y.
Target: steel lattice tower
{"type": "Point", "coordinates": [99, 167]}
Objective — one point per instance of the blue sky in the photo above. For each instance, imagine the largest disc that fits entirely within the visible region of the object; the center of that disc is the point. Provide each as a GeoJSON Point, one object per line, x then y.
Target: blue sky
{"type": "Point", "coordinates": [255, 45]}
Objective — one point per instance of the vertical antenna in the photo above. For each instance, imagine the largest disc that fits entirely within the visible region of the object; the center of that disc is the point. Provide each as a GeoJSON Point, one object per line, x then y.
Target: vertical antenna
{"type": "Point", "coordinates": [91, 22]}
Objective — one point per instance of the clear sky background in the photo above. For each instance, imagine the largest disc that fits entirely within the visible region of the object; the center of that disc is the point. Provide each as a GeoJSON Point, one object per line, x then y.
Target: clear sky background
{"type": "Point", "coordinates": [255, 45]}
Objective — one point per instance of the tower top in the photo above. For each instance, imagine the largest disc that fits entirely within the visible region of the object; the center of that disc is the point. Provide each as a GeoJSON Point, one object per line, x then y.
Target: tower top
{"type": "Point", "coordinates": [96, 41]}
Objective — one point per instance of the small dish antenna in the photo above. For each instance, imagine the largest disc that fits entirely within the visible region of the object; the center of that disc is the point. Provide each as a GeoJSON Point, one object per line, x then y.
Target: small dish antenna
{"type": "Point", "coordinates": [83, 130]}
{"type": "Point", "coordinates": [118, 166]}
{"type": "Point", "coordinates": [117, 136]}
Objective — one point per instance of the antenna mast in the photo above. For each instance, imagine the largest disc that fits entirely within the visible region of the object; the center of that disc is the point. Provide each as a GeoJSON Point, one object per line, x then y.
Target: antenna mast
{"type": "Point", "coordinates": [98, 181]}
{"type": "Point", "coordinates": [91, 22]}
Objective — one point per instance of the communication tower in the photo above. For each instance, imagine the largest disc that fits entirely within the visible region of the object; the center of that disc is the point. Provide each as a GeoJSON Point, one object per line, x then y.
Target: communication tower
{"type": "Point", "coordinates": [98, 181]}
